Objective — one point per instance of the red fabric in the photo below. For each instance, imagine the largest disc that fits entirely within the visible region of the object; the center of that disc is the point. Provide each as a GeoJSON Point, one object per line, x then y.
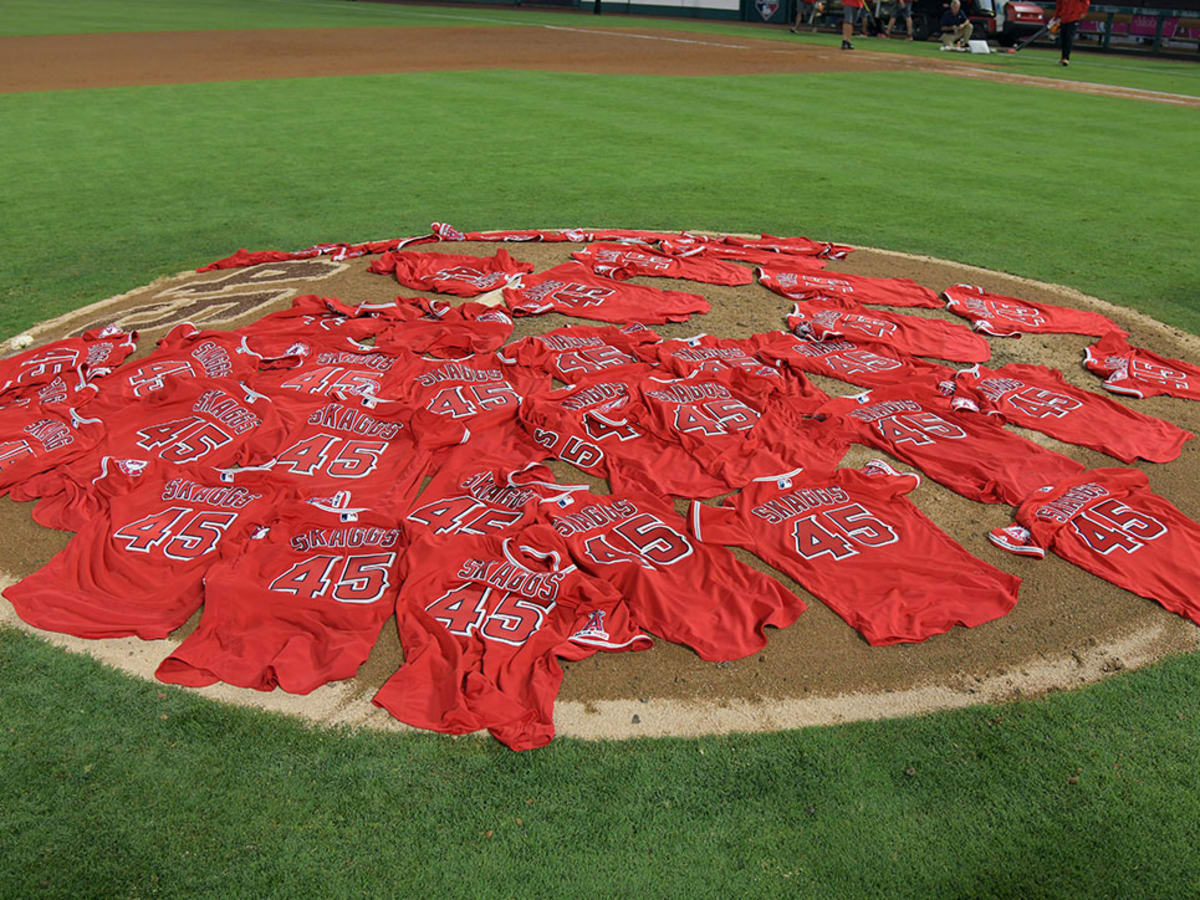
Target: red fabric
{"type": "Point", "coordinates": [37, 441]}
{"type": "Point", "coordinates": [446, 232]}
{"type": "Point", "coordinates": [76, 360]}
{"type": "Point", "coordinates": [338, 250]}
{"type": "Point", "coordinates": [1071, 10]}
{"type": "Point", "coordinates": [800, 285]}
{"type": "Point", "coordinates": [450, 273]}
{"type": "Point", "coordinates": [136, 565]}
{"type": "Point", "coordinates": [474, 399]}
{"type": "Point", "coordinates": [855, 541]}
{"type": "Point", "coordinates": [579, 351]}
{"type": "Point", "coordinates": [425, 325]}
{"type": "Point", "coordinates": [185, 353]}
{"type": "Point", "coordinates": [764, 257]}
{"type": "Point", "coordinates": [622, 261]}
{"type": "Point", "coordinates": [1108, 522]}
{"type": "Point", "coordinates": [1138, 372]}
{"type": "Point", "coordinates": [574, 290]}
{"type": "Point", "coordinates": [1003, 316]}
{"type": "Point", "coordinates": [1040, 398]}
{"type": "Point", "coordinates": [345, 445]}
{"type": "Point", "coordinates": [310, 317]}
{"type": "Point", "coordinates": [830, 319]}
{"type": "Point", "coordinates": [865, 363]}
{"type": "Point", "coordinates": [334, 366]}
{"type": "Point", "coordinates": [737, 427]}
{"type": "Point", "coordinates": [298, 607]}
{"type": "Point", "coordinates": [482, 620]}
{"type": "Point", "coordinates": [472, 494]}
{"type": "Point", "coordinates": [793, 246]}
{"type": "Point", "coordinates": [968, 452]}
{"type": "Point", "coordinates": [213, 423]}
{"type": "Point", "coordinates": [679, 588]}
{"type": "Point", "coordinates": [596, 425]}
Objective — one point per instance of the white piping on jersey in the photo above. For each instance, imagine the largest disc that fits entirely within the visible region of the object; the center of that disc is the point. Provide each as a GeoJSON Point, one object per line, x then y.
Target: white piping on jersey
{"type": "Point", "coordinates": [253, 395]}
{"type": "Point", "coordinates": [636, 639]}
{"type": "Point", "coordinates": [896, 473]}
{"type": "Point", "coordinates": [972, 371]}
{"type": "Point", "coordinates": [695, 513]}
{"type": "Point", "coordinates": [556, 566]}
{"type": "Point", "coordinates": [447, 359]}
{"type": "Point", "coordinates": [243, 347]}
{"type": "Point", "coordinates": [781, 475]}
{"type": "Point", "coordinates": [694, 339]}
{"type": "Point", "coordinates": [77, 419]}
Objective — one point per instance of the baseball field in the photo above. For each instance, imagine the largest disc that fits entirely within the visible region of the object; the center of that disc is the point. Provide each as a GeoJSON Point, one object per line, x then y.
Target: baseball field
{"type": "Point", "coordinates": [145, 139]}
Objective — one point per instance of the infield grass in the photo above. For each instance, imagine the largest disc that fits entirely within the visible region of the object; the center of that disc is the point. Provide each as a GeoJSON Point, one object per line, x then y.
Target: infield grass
{"type": "Point", "coordinates": [115, 787]}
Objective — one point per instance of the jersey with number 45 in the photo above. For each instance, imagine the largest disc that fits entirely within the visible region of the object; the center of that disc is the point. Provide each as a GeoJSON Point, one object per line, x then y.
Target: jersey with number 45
{"type": "Point", "coordinates": [967, 451]}
{"type": "Point", "coordinates": [300, 604]}
{"type": "Point", "coordinates": [1040, 398]}
{"type": "Point", "coordinates": [1138, 372]}
{"type": "Point", "coordinates": [1108, 522]}
{"type": "Point", "coordinates": [137, 563]}
{"type": "Point", "coordinates": [855, 541]}
{"type": "Point", "coordinates": [482, 620]}
{"type": "Point", "coordinates": [677, 587]}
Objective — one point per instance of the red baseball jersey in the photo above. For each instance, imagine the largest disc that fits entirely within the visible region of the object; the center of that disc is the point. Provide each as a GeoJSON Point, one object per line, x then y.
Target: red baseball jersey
{"type": "Point", "coordinates": [679, 588]}
{"type": "Point", "coordinates": [337, 366]}
{"type": "Point", "coordinates": [574, 290]}
{"type": "Point", "coordinates": [797, 284]}
{"type": "Point", "coordinates": [1040, 398]}
{"type": "Point", "coordinates": [337, 250]}
{"type": "Point", "coordinates": [579, 351]}
{"type": "Point", "coordinates": [298, 605]}
{"type": "Point", "coordinates": [622, 261]}
{"type": "Point", "coordinates": [184, 353]}
{"type": "Point", "coordinates": [473, 495]}
{"type": "Point", "coordinates": [865, 363]}
{"type": "Point", "coordinates": [835, 319]}
{"type": "Point", "coordinates": [1003, 316]}
{"type": "Point", "coordinates": [447, 232]}
{"type": "Point", "coordinates": [968, 452]}
{"type": "Point", "coordinates": [434, 326]}
{"type": "Point", "coordinates": [36, 440]}
{"type": "Point", "coordinates": [476, 398]}
{"type": "Point", "coordinates": [596, 426]}
{"type": "Point", "coordinates": [711, 249]}
{"type": "Point", "coordinates": [450, 273]}
{"type": "Point", "coordinates": [857, 543]}
{"type": "Point", "coordinates": [737, 427]}
{"type": "Point", "coordinates": [482, 620]}
{"type": "Point", "coordinates": [1108, 522]}
{"type": "Point", "coordinates": [1138, 372]}
{"type": "Point", "coordinates": [136, 565]}
{"type": "Point", "coordinates": [323, 318]}
{"type": "Point", "coordinates": [214, 423]}
{"type": "Point", "coordinates": [76, 360]}
{"type": "Point", "coordinates": [791, 246]}
{"type": "Point", "coordinates": [345, 445]}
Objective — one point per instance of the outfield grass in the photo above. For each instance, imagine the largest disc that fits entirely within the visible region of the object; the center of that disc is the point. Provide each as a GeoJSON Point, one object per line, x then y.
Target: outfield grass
{"type": "Point", "coordinates": [111, 786]}
{"type": "Point", "coordinates": [110, 187]}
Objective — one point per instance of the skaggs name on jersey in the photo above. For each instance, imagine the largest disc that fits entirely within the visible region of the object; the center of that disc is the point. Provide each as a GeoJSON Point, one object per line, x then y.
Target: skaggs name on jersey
{"type": "Point", "coordinates": [219, 495]}
{"type": "Point", "coordinates": [785, 506]}
{"type": "Point", "coordinates": [513, 579]}
{"type": "Point", "coordinates": [226, 410]}
{"type": "Point", "coordinates": [345, 418]}
{"type": "Point", "coordinates": [345, 537]}
{"type": "Point", "coordinates": [590, 517]}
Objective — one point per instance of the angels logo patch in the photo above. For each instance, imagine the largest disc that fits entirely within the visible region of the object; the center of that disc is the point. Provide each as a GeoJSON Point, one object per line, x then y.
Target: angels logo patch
{"type": "Point", "coordinates": [766, 8]}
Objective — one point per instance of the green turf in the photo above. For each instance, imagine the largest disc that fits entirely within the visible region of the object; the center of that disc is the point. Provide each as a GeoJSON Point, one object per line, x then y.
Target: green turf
{"type": "Point", "coordinates": [368, 157]}
{"type": "Point", "coordinates": [113, 787]}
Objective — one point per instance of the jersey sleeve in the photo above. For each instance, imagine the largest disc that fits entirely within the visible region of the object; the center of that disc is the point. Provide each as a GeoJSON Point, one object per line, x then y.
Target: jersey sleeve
{"type": "Point", "coordinates": [719, 525]}
{"type": "Point", "coordinates": [1018, 539]}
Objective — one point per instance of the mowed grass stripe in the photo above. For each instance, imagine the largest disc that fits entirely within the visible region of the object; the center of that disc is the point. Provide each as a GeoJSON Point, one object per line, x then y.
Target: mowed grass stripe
{"type": "Point", "coordinates": [112, 786]}
{"type": "Point", "coordinates": [109, 188]}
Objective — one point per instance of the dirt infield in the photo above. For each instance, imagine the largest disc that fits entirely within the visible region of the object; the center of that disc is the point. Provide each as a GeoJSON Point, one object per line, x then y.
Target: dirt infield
{"type": "Point", "coordinates": [1069, 627]}
{"type": "Point", "coordinates": [69, 62]}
